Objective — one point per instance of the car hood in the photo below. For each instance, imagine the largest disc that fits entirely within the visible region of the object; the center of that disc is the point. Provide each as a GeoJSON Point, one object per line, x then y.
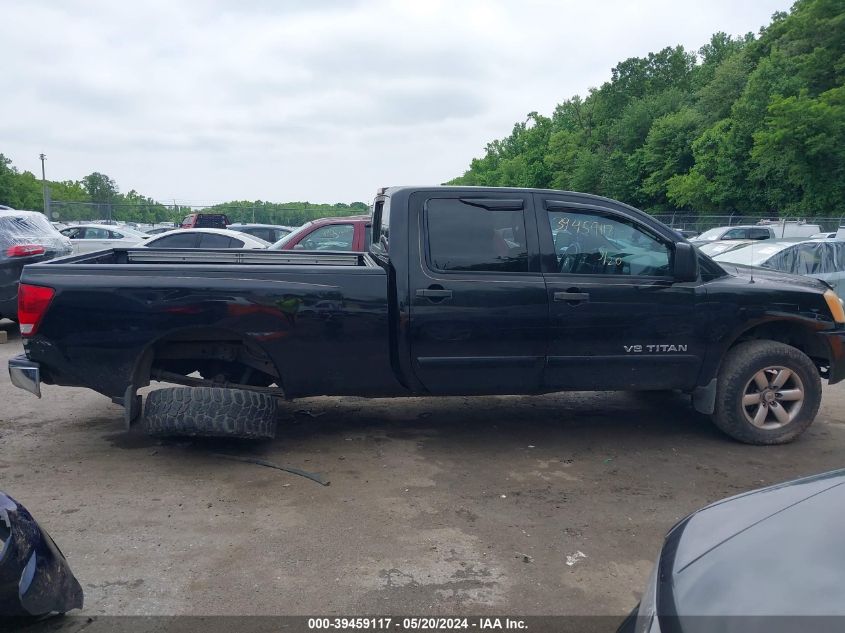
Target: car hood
{"type": "Point", "coordinates": [775, 551]}
{"type": "Point", "coordinates": [772, 277]}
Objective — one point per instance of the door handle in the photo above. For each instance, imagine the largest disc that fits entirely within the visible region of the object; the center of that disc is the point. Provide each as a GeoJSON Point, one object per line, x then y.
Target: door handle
{"type": "Point", "coordinates": [572, 297]}
{"type": "Point", "coordinates": [434, 293]}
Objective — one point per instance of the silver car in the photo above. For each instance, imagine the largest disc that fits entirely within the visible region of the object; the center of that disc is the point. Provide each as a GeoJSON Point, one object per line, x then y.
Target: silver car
{"type": "Point", "coordinates": [822, 259]}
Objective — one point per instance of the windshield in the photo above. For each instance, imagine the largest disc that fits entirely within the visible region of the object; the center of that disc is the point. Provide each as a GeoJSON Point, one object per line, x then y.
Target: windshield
{"type": "Point", "coordinates": [712, 234]}
{"type": "Point", "coordinates": [290, 236]}
{"type": "Point", "coordinates": [754, 254]}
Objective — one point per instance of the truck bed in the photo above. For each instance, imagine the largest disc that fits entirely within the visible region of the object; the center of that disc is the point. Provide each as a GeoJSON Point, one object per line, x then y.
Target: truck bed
{"type": "Point", "coordinates": [320, 319]}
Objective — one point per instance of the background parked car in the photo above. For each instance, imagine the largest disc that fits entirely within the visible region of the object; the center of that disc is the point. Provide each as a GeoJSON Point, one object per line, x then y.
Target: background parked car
{"type": "Point", "coordinates": [204, 238]}
{"type": "Point", "coordinates": [158, 230]}
{"type": "Point", "coordinates": [351, 233]}
{"type": "Point", "coordinates": [87, 238]}
{"type": "Point", "coordinates": [826, 234]}
{"type": "Point", "coordinates": [761, 231]}
{"type": "Point", "coordinates": [720, 246]}
{"type": "Point", "coordinates": [687, 233]}
{"type": "Point", "coordinates": [26, 237]}
{"type": "Point", "coordinates": [821, 259]}
{"type": "Point", "coordinates": [205, 221]}
{"type": "Point", "coordinates": [268, 232]}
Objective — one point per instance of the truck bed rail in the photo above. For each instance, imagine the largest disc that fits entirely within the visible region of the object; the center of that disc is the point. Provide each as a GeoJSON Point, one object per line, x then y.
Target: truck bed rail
{"type": "Point", "coordinates": [252, 257]}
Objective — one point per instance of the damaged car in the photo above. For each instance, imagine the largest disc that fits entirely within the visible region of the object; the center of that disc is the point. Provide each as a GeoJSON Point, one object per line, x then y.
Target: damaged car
{"type": "Point", "coordinates": [35, 578]}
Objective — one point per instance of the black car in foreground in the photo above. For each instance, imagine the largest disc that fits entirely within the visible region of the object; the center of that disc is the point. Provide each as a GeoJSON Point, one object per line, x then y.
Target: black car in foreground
{"type": "Point", "coordinates": [26, 237]}
{"type": "Point", "coordinates": [767, 560]}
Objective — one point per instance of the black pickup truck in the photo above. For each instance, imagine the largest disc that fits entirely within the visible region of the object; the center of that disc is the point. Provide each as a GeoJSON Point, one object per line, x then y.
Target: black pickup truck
{"type": "Point", "coordinates": [464, 291]}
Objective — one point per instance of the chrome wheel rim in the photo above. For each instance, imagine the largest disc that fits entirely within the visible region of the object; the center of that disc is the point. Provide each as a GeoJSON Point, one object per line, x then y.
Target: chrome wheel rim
{"type": "Point", "coordinates": [773, 398]}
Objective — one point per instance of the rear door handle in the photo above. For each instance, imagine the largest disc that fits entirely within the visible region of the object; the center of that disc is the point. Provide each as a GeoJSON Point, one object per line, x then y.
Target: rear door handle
{"type": "Point", "coordinates": [434, 293]}
{"type": "Point", "coordinates": [572, 297]}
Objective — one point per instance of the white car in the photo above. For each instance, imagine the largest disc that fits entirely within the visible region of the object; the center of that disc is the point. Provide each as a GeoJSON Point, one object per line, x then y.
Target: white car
{"type": "Point", "coordinates": [717, 247]}
{"type": "Point", "coordinates": [87, 238]}
{"type": "Point", "coordinates": [204, 238]}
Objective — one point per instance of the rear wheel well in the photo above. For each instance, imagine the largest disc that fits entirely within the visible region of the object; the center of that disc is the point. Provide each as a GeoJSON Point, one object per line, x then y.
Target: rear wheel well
{"type": "Point", "coordinates": [795, 335]}
{"type": "Point", "coordinates": [219, 356]}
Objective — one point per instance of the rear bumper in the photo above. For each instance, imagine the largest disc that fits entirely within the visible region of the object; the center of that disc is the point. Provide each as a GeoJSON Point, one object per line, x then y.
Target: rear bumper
{"type": "Point", "coordinates": [25, 374]}
{"type": "Point", "coordinates": [836, 343]}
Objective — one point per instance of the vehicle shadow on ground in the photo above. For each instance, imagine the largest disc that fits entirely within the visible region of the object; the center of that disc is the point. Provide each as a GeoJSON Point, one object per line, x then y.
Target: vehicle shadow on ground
{"type": "Point", "coordinates": [482, 423]}
{"type": "Point", "coordinates": [622, 415]}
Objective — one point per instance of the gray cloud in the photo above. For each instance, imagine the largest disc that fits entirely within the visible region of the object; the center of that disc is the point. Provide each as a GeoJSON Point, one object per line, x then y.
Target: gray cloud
{"type": "Point", "coordinates": [295, 99]}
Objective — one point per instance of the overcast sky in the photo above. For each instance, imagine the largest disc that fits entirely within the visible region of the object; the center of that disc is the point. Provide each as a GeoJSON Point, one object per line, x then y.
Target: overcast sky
{"type": "Point", "coordinates": [204, 101]}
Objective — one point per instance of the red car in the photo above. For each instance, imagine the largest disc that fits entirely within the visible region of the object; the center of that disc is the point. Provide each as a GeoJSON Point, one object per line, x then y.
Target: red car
{"type": "Point", "coordinates": [350, 233]}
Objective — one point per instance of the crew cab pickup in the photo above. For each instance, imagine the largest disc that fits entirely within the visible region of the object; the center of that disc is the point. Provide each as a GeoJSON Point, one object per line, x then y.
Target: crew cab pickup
{"type": "Point", "coordinates": [463, 291]}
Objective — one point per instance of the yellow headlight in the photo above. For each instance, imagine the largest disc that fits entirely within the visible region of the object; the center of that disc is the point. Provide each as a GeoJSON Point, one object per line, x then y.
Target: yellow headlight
{"type": "Point", "coordinates": [835, 305]}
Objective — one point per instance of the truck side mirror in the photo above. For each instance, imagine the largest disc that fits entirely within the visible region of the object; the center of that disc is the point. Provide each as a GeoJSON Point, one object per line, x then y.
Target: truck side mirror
{"type": "Point", "coordinates": [686, 262]}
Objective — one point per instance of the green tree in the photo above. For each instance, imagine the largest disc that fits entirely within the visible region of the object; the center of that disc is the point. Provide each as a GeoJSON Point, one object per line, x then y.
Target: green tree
{"type": "Point", "coordinates": [750, 124]}
{"type": "Point", "coordinates": [100, 187]}
{"type": "Point", "coordinates": [800, 153]}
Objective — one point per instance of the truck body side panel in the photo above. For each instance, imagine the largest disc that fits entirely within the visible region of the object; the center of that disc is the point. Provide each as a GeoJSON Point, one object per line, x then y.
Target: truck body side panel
{"type": "Point", "coordinates": [325, 328]}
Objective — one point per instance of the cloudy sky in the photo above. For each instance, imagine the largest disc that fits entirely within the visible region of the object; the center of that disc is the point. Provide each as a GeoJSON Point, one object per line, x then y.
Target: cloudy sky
{"type": "Point", "coordinates": [323, 100]}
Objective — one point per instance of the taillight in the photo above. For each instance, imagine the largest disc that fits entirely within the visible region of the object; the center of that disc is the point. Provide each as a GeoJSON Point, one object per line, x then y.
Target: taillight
{"type": "Point", "coordinates": [25, 250]}
{"type": "Point", "coordinates": [33, 302]}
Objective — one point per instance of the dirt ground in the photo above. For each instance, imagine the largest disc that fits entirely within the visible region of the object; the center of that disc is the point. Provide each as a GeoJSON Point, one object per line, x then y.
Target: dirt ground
{"type": "Point", "coordinates": [524, 505]}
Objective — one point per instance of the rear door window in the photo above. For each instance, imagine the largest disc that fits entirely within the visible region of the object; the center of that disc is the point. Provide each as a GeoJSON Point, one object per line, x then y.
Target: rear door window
{"type": "Point", "coordinates": [213, 240]}
{"type": "Point", "coordinates": [758, 234]}
{"type": "Point", "coordinates": [93, 233]}
{"type": "Point", "coordinates": [838, 255]}
{"type": "Point", "coordinates": [181, 240]}
{"type": "Point", "coordinates": [810, 260]}
{"type": "Point", "coordinates": [464, 237]}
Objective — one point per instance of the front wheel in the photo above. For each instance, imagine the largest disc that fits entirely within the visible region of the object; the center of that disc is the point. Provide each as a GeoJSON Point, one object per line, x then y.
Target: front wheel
{"type": "Point", "coordinates": [767, 393]}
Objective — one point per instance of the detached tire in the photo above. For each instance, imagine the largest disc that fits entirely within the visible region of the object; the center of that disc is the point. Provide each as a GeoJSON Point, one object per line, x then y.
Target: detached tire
{"type": "Point", "coordinates": [210, 412]}
{"type": "Point", "coordinates": [766, 393]}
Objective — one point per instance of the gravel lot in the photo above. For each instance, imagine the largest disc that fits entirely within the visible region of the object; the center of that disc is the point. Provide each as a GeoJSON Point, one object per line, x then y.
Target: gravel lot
{"type": "Point", "coordinates": [524, 505]}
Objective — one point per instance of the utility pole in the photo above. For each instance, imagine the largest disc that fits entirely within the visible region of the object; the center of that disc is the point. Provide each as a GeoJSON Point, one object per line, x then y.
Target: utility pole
{"type": "Point", "coordinates": [44, 185]}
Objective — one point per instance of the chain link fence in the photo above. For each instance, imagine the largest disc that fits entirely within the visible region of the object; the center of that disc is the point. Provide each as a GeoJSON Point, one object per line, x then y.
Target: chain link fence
{"type": "Point", "coordinates": [162, 215]}
{"type": "Point", "coordinates": [701, 223]}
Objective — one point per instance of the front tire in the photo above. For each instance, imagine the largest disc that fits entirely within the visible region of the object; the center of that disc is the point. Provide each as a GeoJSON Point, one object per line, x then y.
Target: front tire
{"type": "Point", "coordinates": [767, 393]}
